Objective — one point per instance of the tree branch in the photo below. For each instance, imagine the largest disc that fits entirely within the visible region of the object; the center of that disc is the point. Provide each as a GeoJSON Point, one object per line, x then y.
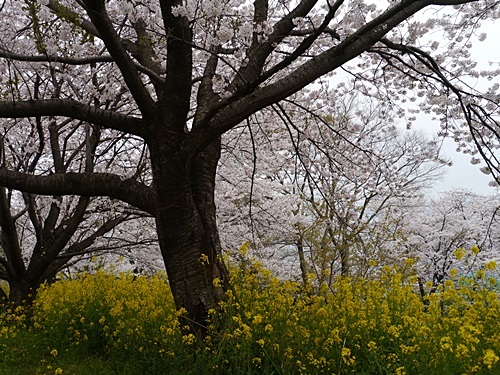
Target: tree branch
{"type": "Point", "coordinates": [83, 184]}
{"type": "Point", "coordinates": [60, 259]}
{"type": "Point", "coordinates": [258, 52]}
{"type": "Point", "coordinates": [56, 59]}
{"type": "Point", "coordinates": [177, 94]}
{"type": "Point", "coordinates": [70, 16]}
{"type": "Point", "coordinates": [97, 13]}
{"type": "Point", "coordinates": [351, 47]}
{"type": "Point", "coordinates": [77, 61]}
{"type": "Point", "coordinates": [10, 241]}
{"type": "Point", "coordinates": [72, 109]}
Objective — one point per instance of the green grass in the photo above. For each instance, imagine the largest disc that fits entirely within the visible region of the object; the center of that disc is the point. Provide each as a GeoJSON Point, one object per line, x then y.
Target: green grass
{"type": "Point", "coordinates": [28, 353]}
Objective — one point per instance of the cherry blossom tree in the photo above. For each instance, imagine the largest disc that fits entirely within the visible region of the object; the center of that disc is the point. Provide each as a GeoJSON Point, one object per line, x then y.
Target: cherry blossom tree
{"type": "Point", "coordinates": [331, 189]}
{"type": "Point", "coordinates": [358, 212]}
{"type": "Point", "coordinates": [456, 219]}
{"type": "Point", "coordinates": [261, 203]}
{"type": "Point", "coordinates": [42, 235]}
{"type": "Point", "coordinates": [189, 71]}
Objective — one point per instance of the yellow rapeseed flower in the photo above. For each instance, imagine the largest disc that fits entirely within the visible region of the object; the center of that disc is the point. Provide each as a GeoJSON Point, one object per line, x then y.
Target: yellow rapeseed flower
{"type": "Point", "coordinates": [300, 366]}
{"type": "Point", "coordinates": [346, 356]}
{"type": "Point", "coordinates": [257, 319]}
{"type": "Point", "coordinates": [409, 262]}
{"type": "Point", "coordinates": [394, 331]}
{"type": "Point", "coordinates": [346, 352]}
{"type": "Point", "coordinates": [409, 349]}
{"type": "Point", "coordinates": [449, 283]}
{"type": "Point", "coordinates": [372, 345]}
{"type": "Point", "coordinates": [188, 339]}
{"type": "Point", "coordinates": [243, 250]}
{"type": "Point", "coordinates": [475, 250]}
{"type": "Point", "coordinates": [446, 344]}
{"type": "Point", "coordinates": [490, 266]}
{"type": "Point", "coordinates": [453, 272]}
{"type": "Point", "coordinates": [490, 358]}
{"type": "Point", "coordinates": [182, 311]}
{"type": "Point", "coordinates": [459, 253]}
{"type": "Point", "coordinates": [203, 259]}
{"type": "Point", "coordinates": [58, 371]}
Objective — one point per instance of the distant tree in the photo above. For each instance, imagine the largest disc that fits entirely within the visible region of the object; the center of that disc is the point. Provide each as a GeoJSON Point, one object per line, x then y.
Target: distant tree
{"type": "Point", "coordinates": [332, 188]}
{"type": "Point", "coordinates": [436, 228]}
{"type": "Point", "coordinates": [189, 71]}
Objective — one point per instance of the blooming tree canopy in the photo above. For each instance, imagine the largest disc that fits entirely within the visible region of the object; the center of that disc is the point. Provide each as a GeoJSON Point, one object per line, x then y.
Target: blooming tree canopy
{"type": "Point", "coordinates": [186, 72]}
{"type": "Point", "coordinates": [335, 186]}
{"type": "Point", "coordinates": [441, 231]}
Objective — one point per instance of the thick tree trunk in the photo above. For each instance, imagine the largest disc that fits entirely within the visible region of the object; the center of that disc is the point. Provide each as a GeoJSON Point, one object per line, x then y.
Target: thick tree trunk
{"type": "Point", "coordinates": [21, 292]}
{"type": "Point", "coordinates": [187, 231]}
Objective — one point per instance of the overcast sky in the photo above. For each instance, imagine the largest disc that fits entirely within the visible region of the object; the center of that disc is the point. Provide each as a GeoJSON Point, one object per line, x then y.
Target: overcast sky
{"type": "Point", "coordinates": [463, 174]}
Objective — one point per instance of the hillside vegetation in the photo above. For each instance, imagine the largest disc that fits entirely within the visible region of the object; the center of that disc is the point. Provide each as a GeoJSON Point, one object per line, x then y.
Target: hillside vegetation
{"type": "Point", "coordinates": [107, 323]}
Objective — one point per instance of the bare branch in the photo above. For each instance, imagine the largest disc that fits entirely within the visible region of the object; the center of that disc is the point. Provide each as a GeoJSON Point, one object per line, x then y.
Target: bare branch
{"type": "Point", "coordinates": [56, 59]}
{"type": "Point", "coordinates": [305, 32]}
{"type": "Point", "coordinates": [59, 259]}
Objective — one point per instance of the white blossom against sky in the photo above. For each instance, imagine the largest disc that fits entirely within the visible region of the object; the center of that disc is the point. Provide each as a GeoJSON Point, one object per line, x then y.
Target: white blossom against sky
{"type": "Point", "coordinates": [463, 174]}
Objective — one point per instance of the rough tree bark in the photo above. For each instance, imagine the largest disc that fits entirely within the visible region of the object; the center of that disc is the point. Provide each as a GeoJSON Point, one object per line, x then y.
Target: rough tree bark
{"type": "Point", "coordinates": [187, 229]}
